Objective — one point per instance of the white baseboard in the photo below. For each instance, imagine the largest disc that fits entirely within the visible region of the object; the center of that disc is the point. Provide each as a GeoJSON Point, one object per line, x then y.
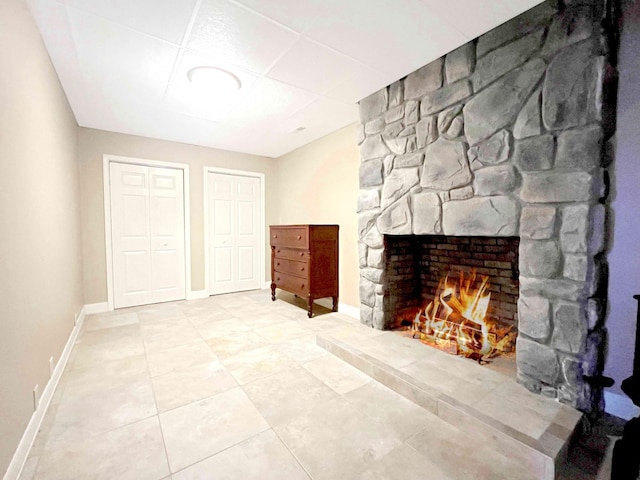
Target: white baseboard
{"type": "Point", "coordinates": [620, 405]}
{"type": "Point", "coordinates": [26, 442]}
{"type": "Point", "coordinates": [95, 308]}
{"type": "Point", "coordinates": [349, 310]}
{"type": "Point", "coordinates": [197, 294]}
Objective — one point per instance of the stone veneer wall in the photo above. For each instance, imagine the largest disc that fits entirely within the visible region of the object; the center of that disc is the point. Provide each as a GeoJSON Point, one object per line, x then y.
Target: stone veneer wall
{"type": "Point", "coordinates": [506, 136]}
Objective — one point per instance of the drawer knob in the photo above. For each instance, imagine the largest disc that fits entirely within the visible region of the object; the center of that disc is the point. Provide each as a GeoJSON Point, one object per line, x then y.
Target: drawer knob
{"type": "Point", "coordinates": [277, 251]}
{"type": "Point", "coordinates": [302, 269]}
{"type": "Point", "coordinates": [278, 278]}
{"type": "Point", "coordinates": [302, 286]}
{"type": "Point", "coordinates": [275, 236]}
{"type": "Point", "coordinates": [302, 254]}
{"type": "Point", "coordinates": [278, 263]}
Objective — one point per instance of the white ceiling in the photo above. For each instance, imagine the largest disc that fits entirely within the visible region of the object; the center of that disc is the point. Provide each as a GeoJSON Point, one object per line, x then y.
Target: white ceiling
{"type": "Point", "coordinates": [302, 63]}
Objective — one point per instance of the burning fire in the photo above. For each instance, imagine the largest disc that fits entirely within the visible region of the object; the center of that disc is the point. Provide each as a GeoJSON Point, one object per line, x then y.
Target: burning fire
{"type": "Point", "coordinates": [456, 320]}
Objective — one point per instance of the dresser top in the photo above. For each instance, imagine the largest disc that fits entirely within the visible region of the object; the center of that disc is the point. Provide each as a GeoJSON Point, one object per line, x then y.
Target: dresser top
{"type": "Point", "coordinates": [304, 225]}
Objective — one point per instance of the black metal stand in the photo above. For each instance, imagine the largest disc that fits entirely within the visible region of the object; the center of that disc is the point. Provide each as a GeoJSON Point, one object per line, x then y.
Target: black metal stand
{"type": "Point", "coordinates": [625, 464]}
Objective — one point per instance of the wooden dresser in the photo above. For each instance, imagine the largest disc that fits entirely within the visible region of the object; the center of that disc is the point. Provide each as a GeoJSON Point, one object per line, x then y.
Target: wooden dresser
{"type": "Point", "coordinates": [304, 261]}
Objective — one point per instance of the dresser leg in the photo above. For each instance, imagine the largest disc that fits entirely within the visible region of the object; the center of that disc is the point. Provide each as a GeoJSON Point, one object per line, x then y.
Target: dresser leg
{"type": "Point", "coordinates": [310, 307]}
{"type": "Point", "coordinates": [335, 304]}
{"type": "Point", "coordinates": [273, 292]}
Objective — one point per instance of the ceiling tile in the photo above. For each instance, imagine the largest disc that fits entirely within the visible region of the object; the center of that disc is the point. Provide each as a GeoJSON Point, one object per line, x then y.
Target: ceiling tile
{"type": "Point", "coordinates": [238, 36]}
{"type": "Point", "coordinates": [184, 97]}
{"type": "Point", "coordinates": [295, 14]}
{"type": "Point", "coordinates": [166, 19]}
{"type": "Point", "coordinates": [388, 36]}
{"type": "Point", "coordinates": [119, 62]}
{"type": "Point", "coordinates": [268, 102]}
{"type": "Point", "coordinates": [319, 116]}
{"type": "Point", "coordinates": [474, 18]}
{"type": "Point", "coordinates": [312, 66]}
{"type": "Point", "coordinates": [361, 84]}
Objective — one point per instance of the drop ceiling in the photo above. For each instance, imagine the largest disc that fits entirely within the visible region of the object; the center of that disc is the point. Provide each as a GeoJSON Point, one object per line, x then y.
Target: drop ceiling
{"type": "Point", "coordinates": [303, 64]}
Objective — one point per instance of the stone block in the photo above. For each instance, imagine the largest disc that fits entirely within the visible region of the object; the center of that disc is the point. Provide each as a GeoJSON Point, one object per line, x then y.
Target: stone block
{"type": "Point", "coordinates": [407, 131]}
{"type": "Point", "coordinates": [594, 355]}
{"type": "Point", "coordinates": [574, 228]}
{"type": "Point", "coordinates": [495, 180]}
{"type": "Point", "coordinates": [378, 319]}
{"type": "Point", "coordinates": [424, 80]}
{"type": "Point", "coordinates": [595, 313]}
{"type": "Point", "coordinates": [486, 216]}
{"type": "Point", "coordinates": [534, 317]}
{"type": "Point", "coordinates": [457, 128]}
{"type": "Point", "coordinates": [371, 173]}
{"type": "Point", "coordinates": [498, 105]}
{"type": "Point", "coordinates": [529, 21]}
{"type": "Point", "coordinates": [426, 131]}
{"type": "Point", "coordinates": [571, 371]}
{"type": "Point", "coordinates": [367, 292]}
{"type": "Point", "coordinates": [396, 94]}
{"type": "Point", "coordinates": [368, 200]}
{"type": "Point", "coordinates": [395, 114]}
{"type": "Point", "coordinates": [409, 160]}
{"type": "Point", "coordinates": [396, 220]}
{"type": "Point", "coordinates": [537, 223]}
{"type": "Point", "coordinates": [556, 187]}
{"type": "Point", "coordinates": [373, 147]}
{"type": "Point", "coordinates": [569, 328]}
{"type": "Point", "coordinates": [572, 88]}
{"type": "Point", "coordinates": [362, 254]}
{"type": "Point", "coordinates": [372, 274]}
{"type": "Point", "coordinates": [461, 193]}
{"type": "Point", "coordinates": [411, 112]}
{"type": "Point", "coordinates": [506, 58]}
{"type": "Point", "coordinates": [398, 183]}
{"type": "Point", "coordinates": [445, 97]}
{"type": "Point", "coordinates": [551, 288]}
{"type": "Point", "coordinates": [537, 361]}
{"type": "Point", "coordinates": [539, 258]}
{"type": "Point", "coordinates": [366, 221]}
{"type": "Point", "coordinates": [366, 315]}
{"type": "Point", "coordinates": [460, 63]}
{"type": "Point", "coordinates": [445, 118]}
{"type": "Point", "coordinates": [445, 165]}
{"type": "Point", "coordinates": [426, 213]}
{"type": "Point", "coordinates": [375, 257]}
{"type": "Point", "coordinates": [580, 149]}
{"type": "Point", "coordinates": [372, 238]}
{"type": "Point", "coordinates": [573, 25]}
{"type": "Point", "coordinates": [393, 130]}
{"type": "Point", "coordinates": [374, 105]}
{"type": "Point", "coordinates": [397, 145]}
{"type": "Point", "coordinates": [534, 154]}
{"type": "Point", "coordinates": [374, 126]}
{"type": "Point", "coordinates": [492, 151]}
{"type": "Point", "coordinates": [412, 145]}
{"type": "Point", "coordinates": [598, 229]}
{"type": "Point", "coordinates": [575, 267]}
{"type": "Point", "coordinates": [529, 120]}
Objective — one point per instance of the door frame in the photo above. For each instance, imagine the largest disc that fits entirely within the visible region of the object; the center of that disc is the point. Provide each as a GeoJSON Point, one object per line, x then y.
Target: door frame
{"type": "Point", "coordinates": [106, 182]}
{"type": "Point", "coordinates": [237, 173]}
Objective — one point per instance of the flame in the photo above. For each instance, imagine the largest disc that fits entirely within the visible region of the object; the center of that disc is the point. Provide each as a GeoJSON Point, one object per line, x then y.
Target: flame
{"type": "Point", "coordinates": [459, 312]}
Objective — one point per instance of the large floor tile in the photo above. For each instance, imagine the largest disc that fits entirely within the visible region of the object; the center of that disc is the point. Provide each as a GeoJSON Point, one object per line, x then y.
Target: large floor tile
{"type": "Point", "coordinates": [222, 328]}
{"type": "Point", "coordinates": [181, 387]}
{"type": "Point", "coordinates": [201, 429]}
{"type": "Point", "coordinates": [404, 463]}
{"type": "Point", "coordinates": [335, 440]}
{"type": "Point", "coordinates": [164, 334]}
{"type": "Point", "coordinates": [179, 357]}
{"type": "Point", "coordinates": [230, 345]}
{"type": "Point", "coordinates": [283, 331]}
{"type": "Point", "coordinates": [258, 363]}
{"type": "Point", "coordinates": [109, 320]}
{"type": "Point", "coordinates": [159, 311]}
{"type": "Point", "coordinates": [338, 375]}
{"type": "Point", "coordinates": [302, 349]}
{"type": "Point", "coordinates": [134, 451]}
{"type": "Point", "coordinates": [262, 457]}
{"type": "Point", "coordinates": [284, 395]}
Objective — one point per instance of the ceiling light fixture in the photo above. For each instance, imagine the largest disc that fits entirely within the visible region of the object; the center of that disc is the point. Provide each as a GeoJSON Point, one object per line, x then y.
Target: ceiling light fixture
{"type": "Point", "coordinates": [214, 78]}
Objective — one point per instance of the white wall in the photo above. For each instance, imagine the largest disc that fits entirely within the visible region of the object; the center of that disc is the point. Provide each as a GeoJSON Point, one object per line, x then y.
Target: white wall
{"type": "Point", "coordinates": [40, 248]}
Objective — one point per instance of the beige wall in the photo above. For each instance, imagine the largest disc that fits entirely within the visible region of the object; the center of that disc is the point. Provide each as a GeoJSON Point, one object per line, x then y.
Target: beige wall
{"type": "Point", "coordinates": [40, 251]}
{"type": "Point", "coordinates": [318, 183]}
{"type": "Point", "coordinates": [92, 144]}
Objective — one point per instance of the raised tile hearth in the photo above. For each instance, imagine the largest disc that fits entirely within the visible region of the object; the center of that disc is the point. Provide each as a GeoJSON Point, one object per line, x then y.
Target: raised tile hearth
{"type": "Point", "coordinates": [507, 136]}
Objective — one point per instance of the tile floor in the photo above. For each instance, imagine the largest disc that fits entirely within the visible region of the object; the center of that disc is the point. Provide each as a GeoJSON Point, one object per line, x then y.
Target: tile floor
{"type": "Point", "coordinates": [235, 387]}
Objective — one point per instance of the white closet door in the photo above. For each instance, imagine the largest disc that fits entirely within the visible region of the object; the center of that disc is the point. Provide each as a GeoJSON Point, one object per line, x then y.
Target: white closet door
{"type": "Point", "coordinates": [147, 234]}
{"type": "Point", "coordinates": [234, 233]}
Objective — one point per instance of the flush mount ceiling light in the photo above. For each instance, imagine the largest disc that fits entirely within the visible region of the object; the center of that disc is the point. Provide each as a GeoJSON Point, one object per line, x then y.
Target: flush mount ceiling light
{"type": "Point", "coordinates": [214, 79]}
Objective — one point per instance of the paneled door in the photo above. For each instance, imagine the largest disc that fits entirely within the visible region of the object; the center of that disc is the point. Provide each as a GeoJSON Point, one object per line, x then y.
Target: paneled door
{"type": "Point", "coordinates": [234, 233]}
{"type": "Point", "coordinates": [147, 234]}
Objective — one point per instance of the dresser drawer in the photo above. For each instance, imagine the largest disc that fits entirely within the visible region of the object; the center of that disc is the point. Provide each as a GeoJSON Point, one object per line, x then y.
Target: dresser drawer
{"type": "Point", "coordinates": [291, 283]}
{"type": "Point", "coordinates": [296, 237]}
{"type": "Point", "coordinates": [283, 265]}
{"type": "Point", "coordinates": [291, 254]}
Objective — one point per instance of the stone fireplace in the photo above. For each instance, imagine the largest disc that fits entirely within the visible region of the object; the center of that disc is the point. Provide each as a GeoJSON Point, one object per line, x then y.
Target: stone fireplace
{"type": "Point", "coordinates": [505, 137]}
